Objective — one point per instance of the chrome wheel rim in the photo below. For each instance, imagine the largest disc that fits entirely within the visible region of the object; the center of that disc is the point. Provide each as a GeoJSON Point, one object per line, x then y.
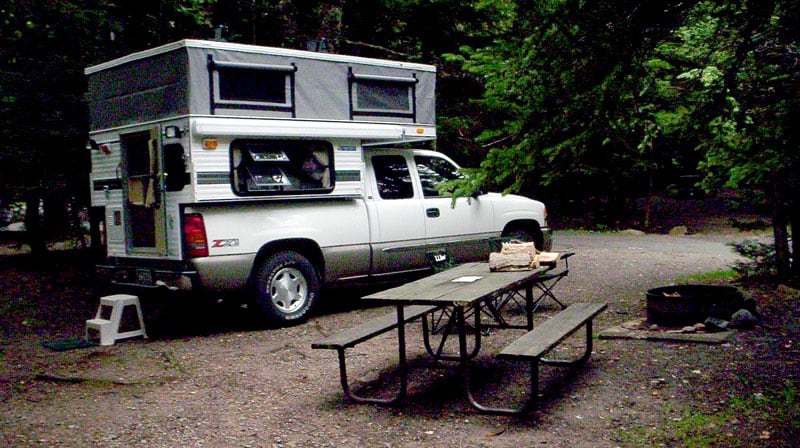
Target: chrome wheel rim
{"type": "Point", "coordinates": [288, 290]}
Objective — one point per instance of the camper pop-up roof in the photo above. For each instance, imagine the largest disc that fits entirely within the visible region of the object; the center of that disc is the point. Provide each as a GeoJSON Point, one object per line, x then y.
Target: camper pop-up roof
{"type": "Point", "coordinates": [201, 78]}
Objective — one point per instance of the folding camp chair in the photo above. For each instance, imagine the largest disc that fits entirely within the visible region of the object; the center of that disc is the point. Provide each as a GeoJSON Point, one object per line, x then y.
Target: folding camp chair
{"type": "Point", "coordinates": [544, 285]}
{"type": "Point", "coordinates": [549, 280]}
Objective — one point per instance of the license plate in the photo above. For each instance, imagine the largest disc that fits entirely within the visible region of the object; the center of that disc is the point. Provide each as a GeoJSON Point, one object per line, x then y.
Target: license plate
{"type": "Point", "coordinates": [144, 277]}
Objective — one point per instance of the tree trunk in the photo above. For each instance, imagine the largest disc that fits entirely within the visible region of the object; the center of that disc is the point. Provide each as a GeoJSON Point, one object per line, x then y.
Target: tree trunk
{"type": "Point", "coordinates": [56, 220]}
{"type": "Point", "coordinates": [780, 222]}
{"type": "Point", "coordinates": [794, 219]}
{"type": "Point", "coordinates": [33, 226]}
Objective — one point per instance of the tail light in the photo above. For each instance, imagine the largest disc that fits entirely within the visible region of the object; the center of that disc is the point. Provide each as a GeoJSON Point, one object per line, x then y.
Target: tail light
{"type": "Point", "coordinates": [194, 235]}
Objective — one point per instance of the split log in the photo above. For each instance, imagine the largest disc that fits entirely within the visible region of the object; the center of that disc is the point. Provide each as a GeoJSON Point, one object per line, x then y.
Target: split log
{"type": "Point", "coordinates": [548, 258]}
{"type": "Point", "coordinates": [518, 247]}
{"type": "Point", "coordinates": [510, 262]}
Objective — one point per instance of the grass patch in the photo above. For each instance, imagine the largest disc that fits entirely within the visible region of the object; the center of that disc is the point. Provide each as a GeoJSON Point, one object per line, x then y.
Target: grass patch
{"type": "Point", "coordinates": [708, 277]}
{"type": "Point", "coordinates": [745, 421]}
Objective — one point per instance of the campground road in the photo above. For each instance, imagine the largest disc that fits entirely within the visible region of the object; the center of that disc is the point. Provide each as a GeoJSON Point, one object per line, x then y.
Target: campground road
{"type": "Point", "coordinates": [619, 267]}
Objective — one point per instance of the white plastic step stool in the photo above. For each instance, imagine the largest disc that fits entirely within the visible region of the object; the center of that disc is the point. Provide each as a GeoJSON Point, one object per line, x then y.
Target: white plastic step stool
{"type": "Point", "coordinates": [109, 328]}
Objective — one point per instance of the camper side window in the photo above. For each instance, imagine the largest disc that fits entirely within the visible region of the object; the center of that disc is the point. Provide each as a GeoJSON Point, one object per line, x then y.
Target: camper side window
{"type": "Point", "coordinates": [270, 167]}
{"type": "Point", "coordinates": [382, 95]}
{"type": "Point", "coordinates": [252, 86]}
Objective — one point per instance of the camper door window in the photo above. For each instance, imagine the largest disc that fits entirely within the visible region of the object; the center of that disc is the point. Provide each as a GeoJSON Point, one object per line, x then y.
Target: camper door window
{"type": "Point", "coordinates": [270, 167]}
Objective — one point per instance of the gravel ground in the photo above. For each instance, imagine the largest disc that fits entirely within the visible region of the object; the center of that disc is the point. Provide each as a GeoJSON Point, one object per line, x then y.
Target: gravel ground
{"type": "Point", "coordinates": [208, 377]}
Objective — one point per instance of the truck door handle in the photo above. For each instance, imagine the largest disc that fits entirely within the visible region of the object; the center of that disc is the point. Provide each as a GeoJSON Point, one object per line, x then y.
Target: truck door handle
{"type": "Point", "coordinates": [432, 212]}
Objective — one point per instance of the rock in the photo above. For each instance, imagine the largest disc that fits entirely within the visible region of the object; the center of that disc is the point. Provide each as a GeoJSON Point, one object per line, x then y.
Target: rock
{"type": "Point", "coordinates": [751, 305]}
{"type": "Point", "coordinates": [716, 324]}
{"type": "Point", "coordinates": [679, 230]}
{"type": "Point", "coordinates": [743, 319]}
{"type": "Point", "coordinates": [636, 324]}
{"type": "Point", "coordinates": [631, 232]}
{"type": "Point", "coordinates": [689, 329]}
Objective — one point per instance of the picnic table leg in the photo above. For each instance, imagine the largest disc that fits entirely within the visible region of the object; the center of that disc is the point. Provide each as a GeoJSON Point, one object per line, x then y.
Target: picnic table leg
{"type": "Point", "coordinates": [438, 353]}
{"type": "Point", "coordinates": [465, 369]}
{"type": "Point", "coordinates": [529, 305]}
{"type": "Point", "coordinates": [583, 358]}
{"type": "Point", "coordinates": [533, 385]}
{"type": "Point", "coordinates": [402, 368]}
{"type": "Point", "coordinates": [401, 346]}
{"type": "Point", "coordinates": [427, 330]}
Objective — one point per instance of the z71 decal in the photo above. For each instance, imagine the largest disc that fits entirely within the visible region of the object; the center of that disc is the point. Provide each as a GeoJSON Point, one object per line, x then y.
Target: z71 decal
{"type": "Point", "coordinates": [231, 242]}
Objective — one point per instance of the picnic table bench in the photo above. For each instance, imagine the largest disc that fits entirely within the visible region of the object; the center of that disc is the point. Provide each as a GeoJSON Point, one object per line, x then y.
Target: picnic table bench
{"type": "Point", "coordinates": [350, 337]}
{"type": "Point", "coordinates": [533, 345]}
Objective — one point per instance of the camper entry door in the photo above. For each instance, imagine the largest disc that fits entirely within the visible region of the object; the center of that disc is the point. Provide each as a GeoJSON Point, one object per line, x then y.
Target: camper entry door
{"type": "Point", "coordinates": [145, 221]}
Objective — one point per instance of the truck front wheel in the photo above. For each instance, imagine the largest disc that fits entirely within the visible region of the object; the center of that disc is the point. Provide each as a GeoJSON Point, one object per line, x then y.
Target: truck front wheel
{"type": "Point", "coordinates": [287, 288]}
{"type": "Point", "coordinates": [527, 236]}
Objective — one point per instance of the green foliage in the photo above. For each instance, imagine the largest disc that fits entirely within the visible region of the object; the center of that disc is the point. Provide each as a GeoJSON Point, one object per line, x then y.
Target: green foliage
{"type": "Point", "coordinates": [562, 107]}
{"type": "Point", "coordinates": [44, 45]}
{"type": "Point", "coordinates": [760, 257]}
{"type": "Point", "coordinates": [595, 99]}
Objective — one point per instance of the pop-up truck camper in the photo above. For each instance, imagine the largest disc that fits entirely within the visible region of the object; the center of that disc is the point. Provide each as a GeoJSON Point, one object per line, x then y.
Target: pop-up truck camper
{"type": "Point", "coordinates": [221, 167]}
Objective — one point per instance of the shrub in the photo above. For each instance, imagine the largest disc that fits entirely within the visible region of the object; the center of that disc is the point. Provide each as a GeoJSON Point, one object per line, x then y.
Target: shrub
{"type": "Point", "coordinates": [760, 259]}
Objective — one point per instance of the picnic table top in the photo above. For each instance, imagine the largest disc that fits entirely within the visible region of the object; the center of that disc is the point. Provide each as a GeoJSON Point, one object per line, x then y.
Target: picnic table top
{"type": "Point", "coordinates": [462, 285]}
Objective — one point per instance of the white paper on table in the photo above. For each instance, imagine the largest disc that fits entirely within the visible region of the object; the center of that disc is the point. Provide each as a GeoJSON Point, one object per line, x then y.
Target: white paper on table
{"type": "Point", "coordinates": [467, 279]}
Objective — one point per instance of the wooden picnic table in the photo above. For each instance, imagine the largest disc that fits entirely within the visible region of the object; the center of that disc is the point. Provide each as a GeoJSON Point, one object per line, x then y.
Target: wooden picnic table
{"type": "Point", "coordinates": [472, 290]}
{"type": "Point", "coordinates": [461, 289]}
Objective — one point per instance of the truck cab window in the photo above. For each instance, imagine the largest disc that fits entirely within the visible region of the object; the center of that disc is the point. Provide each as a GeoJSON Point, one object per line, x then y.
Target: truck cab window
{"type": "Point", "coordinates": [434, 171]}
{"type": "Point", "coordinates": [268, 167]}
{"type": "Point", "coordinates": [392, 177]}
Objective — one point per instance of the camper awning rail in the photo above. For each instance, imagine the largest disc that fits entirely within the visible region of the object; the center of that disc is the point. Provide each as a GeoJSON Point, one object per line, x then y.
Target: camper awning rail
{"type": "Point", "coordinates": [370, 133]}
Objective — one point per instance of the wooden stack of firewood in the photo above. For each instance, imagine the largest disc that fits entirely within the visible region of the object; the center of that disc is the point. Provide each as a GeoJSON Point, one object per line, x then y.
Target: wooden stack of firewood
{"type": "Point", "coordinates": [518, 256]}
{"type": "Point", "coordinates": [514, 256]}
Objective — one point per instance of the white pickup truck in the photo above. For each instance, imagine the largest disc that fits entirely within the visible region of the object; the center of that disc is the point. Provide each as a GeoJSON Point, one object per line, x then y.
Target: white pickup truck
{"type": "Point", "coordinates": [233, 167]}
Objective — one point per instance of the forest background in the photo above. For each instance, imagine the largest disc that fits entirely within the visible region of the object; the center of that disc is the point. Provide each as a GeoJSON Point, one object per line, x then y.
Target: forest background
{"type": "Point", "coordinates": [595, 107]}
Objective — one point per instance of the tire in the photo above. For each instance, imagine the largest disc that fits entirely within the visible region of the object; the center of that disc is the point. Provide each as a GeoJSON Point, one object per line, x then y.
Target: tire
{"type": "Point", "coordinates": [287, 288]}
{"type": "Point", "coordinates": [520, 234]}
{"type": "Point", "coordinates": [526, 237]}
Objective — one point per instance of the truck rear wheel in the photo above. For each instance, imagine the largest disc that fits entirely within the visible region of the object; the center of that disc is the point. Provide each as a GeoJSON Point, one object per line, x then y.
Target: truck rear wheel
{"type": "Point", "coordinates": [287, 288]}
